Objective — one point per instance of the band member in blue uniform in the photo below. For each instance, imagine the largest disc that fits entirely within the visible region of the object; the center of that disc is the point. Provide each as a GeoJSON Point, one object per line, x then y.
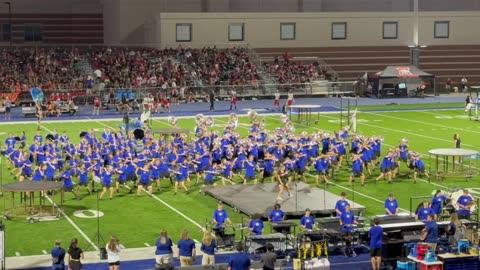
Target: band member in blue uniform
{"type": "Point", "coordinates": [144, 180]}
{"type": "Point", "coordinates": [357, 170]}
{"type": "Point", "coordinates": [437, 203]}
{"type": "Point", "coordinates": [424, 211]}
{"type": "Point", "coordinates": [276, 215]}
{"type": "Point", "coordinates": [464, 203]}
{"type": "Point", "coordinates": [307, 221]}
{"type": "Point", "coordinates": [376, 236]}
{"type": "Point", "coordinates": [341, 204]}
{"type": "Point", "coordinates": [256, 225]}
{"type": "Point", "coordinates": [348, 221]}
{"type": "Point", "coordinates": [391, 205]}
{"type": "Point", "coordinates": [107, 174]}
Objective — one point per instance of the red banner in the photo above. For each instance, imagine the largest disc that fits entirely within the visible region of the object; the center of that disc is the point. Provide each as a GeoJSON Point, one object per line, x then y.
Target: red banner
{"type": "Point", "coordinates": [11, 96]}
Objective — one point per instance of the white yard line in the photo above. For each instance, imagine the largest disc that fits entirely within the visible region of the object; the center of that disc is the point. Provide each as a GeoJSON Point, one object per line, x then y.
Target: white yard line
{"type": "Point", "coordinates": [82, 233]}
{"type": "Point", "coordinates": [435, 184]}
{"type": "Point", "coordinates": [350, 189]}
{"type": "Point", "coordinates": [418, 122]}
{"type": "Point", "coordinates": [162, 201]}
{"type": "Point", "coordinates": [176, 211]}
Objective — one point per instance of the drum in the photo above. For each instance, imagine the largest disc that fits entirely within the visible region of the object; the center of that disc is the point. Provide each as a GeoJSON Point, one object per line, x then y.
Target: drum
{"type": "Point", "coordinates": [422, 250]}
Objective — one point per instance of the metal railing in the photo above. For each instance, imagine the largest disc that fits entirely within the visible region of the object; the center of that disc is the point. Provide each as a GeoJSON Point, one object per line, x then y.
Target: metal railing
{"type": "Point", "coordinates": [222, 92]}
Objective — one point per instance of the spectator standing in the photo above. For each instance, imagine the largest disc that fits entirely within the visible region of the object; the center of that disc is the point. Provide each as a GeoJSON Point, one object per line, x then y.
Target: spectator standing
{"type": "Point", "coordinates": [463, 84]}
{"type": "Point", "coordinates": [186, 250]}
{"type": "Point", "coordinates": [269, 258]}
{"type": "Point", "coordinates": [58, 256]}
{"type": "Point", "coordinates": [113, 253]}
{"type": "Point", "coordinates": [211, 98]}
{"type": "Point", "coordinates": [8, 108]}
{"type": "Point", "coordinates": [96, 106]}
{"type": "Point", "coordinates": [456, 140]}
{"type": "Point", "coordinates": [240, 260]}
{"type": "Point", "coordinates": [208, 249]}
{"type": "Point", "coordinates": [468, 104]}
{"type": "Point", "coordinates": [276, 102]}
{"type": "Point", "coordinates": [89, 85]}
{"type": "Point", "coordinates": [233, 100]}
{"type": "Point", "coordinates": [164, 252]}
{"type": "Point", "coordinates": [448, 84]}
{"type": "Point", "coordinates": [75, 256]}
{"type": "Point", "coordinates": [290, 98]}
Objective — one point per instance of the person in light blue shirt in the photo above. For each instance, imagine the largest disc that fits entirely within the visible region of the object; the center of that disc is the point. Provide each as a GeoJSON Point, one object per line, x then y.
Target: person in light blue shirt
{"type": "Point", "coordinates": [391, 205]}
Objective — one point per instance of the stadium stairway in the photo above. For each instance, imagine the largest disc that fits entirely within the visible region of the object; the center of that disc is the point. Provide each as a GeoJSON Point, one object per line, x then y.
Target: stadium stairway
{"type": "Point", "coordinates": [85, 67]}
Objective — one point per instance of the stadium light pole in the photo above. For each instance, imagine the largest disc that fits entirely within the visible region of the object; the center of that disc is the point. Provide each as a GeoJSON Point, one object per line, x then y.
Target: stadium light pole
{"type": "Point", "coordinates": [10, 35]}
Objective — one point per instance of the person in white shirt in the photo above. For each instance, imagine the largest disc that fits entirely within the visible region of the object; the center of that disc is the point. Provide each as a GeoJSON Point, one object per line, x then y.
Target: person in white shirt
{"type": "Point", "coordinates": [113, 253]}
{"type": "Point", "coordinates": [276, 102]}
{"type": "Point", "coordinates": [463, 83]}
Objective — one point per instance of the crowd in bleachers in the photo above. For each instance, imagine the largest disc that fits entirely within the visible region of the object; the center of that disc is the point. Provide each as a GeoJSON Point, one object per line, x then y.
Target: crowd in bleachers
{"type": "Point", "coordinates": [53, 68]}
{"type": "Point", "coordinates": [287, 71]}
{"type": "Point", "coordinates": [179, 73]}
{"type": "Point", "coordinates": [56, 68]}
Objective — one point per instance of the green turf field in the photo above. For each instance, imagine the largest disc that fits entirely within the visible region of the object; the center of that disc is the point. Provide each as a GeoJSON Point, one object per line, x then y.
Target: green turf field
{"type": "Point", "coordinates": [138, 220]}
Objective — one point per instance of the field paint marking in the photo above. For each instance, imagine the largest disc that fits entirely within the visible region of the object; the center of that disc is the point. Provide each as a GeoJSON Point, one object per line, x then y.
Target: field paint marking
{"type": "Point", "coordinates": [122, 246]}
{"type": "Point", "coordinates": [162, 201]}
{"type": "Point", "coordinates": [176, 211]}
{"type": "Point", "coordinates": [419, 122]}
{"type": "Point", "coordinates": [44, 252]}
{"type": "Point", "coordinates": [90, 242]}
{"type": "Point", "coordinates": [351, 189]}
{"type": "Point", "coordinates": [386, 144]}
{"type": "Point", "coordinates": [435, 184]}
{"type": "Point", "coordinates": [17, 254]}
{"type": "Point", "coordinates": [196, 241]}
{"type": "Point", "coordinates": [69, 219]}
{"type": "Point", "coordinates": [146, 244]}
{"type": "Point", "coordinates": [418, 135]}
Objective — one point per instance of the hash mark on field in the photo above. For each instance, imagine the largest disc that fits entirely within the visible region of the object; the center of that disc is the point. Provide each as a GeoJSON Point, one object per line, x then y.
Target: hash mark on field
{"type": "Point", "coordinates": [17, 254]}
{"type": "Point", "coordinates": [44, 252]}
{"type": "Point", "coordinates": [122, 246]}
{"type": "Point", "coordinates": [146, 244]}
{"type": "Point", "coordinates": [196, 241]}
